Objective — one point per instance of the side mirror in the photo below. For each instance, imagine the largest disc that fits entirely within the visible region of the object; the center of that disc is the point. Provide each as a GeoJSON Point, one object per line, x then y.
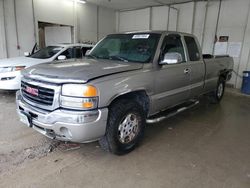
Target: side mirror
{"type": "Point", "coordinates": [61, 57]}
{"type": "Point", "coordinates": [87, 52]}
{"type": "Point", "coordinates": [26, 54]}
{"type": "Point", "coordinates": [171, 58]}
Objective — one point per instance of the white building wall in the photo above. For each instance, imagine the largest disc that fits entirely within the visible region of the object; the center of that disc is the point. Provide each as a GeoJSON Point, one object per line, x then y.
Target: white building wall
{"type": "Point", "coordinates": [55, 11]}
{"type": "Point", "coordinates": [234, 21]}
{"type": "Point", "coordinates": [173, 19]}
{"type": "Point", "coordinates": [51, 11]}
{"type": "Point", "coordinates": [87, 22]}
{"type": "Point", "coordinates": [25, 26]}
{"type": "Point", "coordinates": [160, 18]}
{"type": "Point", "coordinates": [246, 48]}
{"type": "Point", "coordinates": [95, 22]}
{"type": "Point", "coordinates": [10, 28]}
{"type": "Point", "coordinates": [106, 22]}
{"type": "Point", "coordinates": [210, 27]}
{"type": "Point", "coordinates": [185, 19]}
{"type": "Point", "coordinates": [245, 56]}
{"type": "Point", "coordinates": [3, 52]}
{"type": "Point", "coordinates": [199, 20]}
{"type": "Point", "coordinates": [134, 20]}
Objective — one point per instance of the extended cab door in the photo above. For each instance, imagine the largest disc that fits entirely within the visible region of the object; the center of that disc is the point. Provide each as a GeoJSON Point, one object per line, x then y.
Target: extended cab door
{"type": "Point", "coordinates": [172, 79]}
{"type": "Point", "coordinates": [197, 66]}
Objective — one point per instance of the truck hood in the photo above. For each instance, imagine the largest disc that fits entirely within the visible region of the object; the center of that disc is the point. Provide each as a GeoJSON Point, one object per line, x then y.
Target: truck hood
{"type": "Point", "coordinates": [21, 61]}
{"type": "Point", "coordinates": [81, 70]}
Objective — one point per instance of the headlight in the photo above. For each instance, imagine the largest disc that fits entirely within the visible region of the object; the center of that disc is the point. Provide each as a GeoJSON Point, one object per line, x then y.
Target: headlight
{"type": "Point", "coordinates": [78, 90]}
{"type": "Point", "coordinates": [11, 69]}
{"type": "Point", "coordinates": [18, 68]}
{"type": "Point", "coordinates": [79, 96]}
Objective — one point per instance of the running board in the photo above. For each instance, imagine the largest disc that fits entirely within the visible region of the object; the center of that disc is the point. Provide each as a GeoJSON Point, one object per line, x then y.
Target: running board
{"type": "Point", "coordinates": [166, 115]}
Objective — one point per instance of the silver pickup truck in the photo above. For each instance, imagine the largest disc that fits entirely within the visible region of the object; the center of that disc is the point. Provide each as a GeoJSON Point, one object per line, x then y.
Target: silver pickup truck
{"type": "Point", "coordinates": [126, 81]}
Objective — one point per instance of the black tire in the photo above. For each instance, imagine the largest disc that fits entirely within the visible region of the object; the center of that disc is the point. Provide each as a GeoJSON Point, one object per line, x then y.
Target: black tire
{"type": "Point", "coordinates": [118, 113]}
{"type": "Point", "coordinates": [216, 96]}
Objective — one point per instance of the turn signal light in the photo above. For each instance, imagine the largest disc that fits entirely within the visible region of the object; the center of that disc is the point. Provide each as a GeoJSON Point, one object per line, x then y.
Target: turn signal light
{"type": "Point", "coordinates": [18, 68]}
{"type": "Point", "coordinates": [90, 91]}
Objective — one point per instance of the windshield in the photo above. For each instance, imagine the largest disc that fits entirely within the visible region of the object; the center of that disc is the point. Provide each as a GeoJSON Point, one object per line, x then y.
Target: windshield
{"type": "Point", "coordinates": [47, 52]}
{"type": "Point", "coordinates": [127, 47]}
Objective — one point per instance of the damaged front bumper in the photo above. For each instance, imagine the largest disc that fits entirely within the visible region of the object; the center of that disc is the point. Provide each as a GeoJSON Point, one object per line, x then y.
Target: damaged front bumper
{"type": "Point", "coordinates": [65, 125]}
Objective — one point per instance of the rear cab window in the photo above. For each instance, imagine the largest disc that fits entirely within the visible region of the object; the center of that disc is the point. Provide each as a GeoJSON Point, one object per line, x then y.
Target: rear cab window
{"type": "Point", "coordinates": [192, 48]}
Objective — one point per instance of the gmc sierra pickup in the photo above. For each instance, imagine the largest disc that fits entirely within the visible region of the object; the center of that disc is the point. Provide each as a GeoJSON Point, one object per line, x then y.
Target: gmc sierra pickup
{"type": "Point", "coordinates": [126, 81]}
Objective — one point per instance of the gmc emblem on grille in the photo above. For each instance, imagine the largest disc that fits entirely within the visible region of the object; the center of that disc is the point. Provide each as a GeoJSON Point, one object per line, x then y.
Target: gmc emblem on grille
{"type": "Point", "coordinates": [32, 91]}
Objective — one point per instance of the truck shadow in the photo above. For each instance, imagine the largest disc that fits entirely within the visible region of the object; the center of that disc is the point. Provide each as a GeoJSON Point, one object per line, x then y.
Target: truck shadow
{"type": "Point", "coordinates": [195, 121]}
{"type": "Point", "coordinates": [7, 96]}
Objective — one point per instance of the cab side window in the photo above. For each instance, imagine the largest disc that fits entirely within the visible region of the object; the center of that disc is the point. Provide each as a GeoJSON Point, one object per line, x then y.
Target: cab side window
{"type": "Point", "coordinates": [193, 51]}
{"type": "Point", "coordinates": [173, 44]}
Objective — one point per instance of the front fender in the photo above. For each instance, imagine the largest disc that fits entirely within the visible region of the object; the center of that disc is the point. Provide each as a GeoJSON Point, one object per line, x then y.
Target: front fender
{"type": "Point", "coordinates": [114, 86]}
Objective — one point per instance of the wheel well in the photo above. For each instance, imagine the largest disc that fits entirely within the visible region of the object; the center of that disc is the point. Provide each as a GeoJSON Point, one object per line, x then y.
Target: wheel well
{"type": "Point", "coordinates": [140, 97]}
{"type": "Point", "coordinates": [223, 75]}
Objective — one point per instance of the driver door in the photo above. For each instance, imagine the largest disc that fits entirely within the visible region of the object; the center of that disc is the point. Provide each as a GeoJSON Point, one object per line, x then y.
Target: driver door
{"type": "Point", "coordinates": [172, 79]}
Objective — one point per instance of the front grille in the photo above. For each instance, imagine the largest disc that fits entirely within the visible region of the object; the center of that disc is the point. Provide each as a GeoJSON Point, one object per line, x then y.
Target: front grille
{"type": "Point", "coordinates": [45, 95]}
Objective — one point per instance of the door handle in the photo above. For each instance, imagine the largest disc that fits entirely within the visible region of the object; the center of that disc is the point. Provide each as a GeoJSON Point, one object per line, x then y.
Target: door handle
{"type": "Point", "coordinates": [187, 71]}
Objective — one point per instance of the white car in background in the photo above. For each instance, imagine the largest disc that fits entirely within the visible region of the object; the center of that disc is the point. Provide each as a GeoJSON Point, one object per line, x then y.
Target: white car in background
{"type": "Point", "coordinates": [10, 68]}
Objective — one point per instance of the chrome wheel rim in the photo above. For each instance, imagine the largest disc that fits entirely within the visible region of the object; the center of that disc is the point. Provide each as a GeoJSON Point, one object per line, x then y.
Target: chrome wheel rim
{"type": "Point", "coordinates": [220, 90]}
{"type": "Point", "coordinates": [128, 128]}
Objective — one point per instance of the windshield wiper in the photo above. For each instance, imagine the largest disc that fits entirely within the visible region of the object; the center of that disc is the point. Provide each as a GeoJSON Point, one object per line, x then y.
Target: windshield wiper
{"type": "Point", "coordinates": [115, 57]}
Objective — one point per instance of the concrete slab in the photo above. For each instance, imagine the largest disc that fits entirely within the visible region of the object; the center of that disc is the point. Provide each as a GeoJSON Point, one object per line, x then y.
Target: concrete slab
{"type": "Point", "coordinates": [207, 146]}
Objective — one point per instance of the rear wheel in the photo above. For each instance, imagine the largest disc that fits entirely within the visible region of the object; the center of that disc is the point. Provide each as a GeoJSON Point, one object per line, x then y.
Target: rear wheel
{"type": "Point", "coordinates": [216, 96]}
{"type": "Point", "coordinates": [125, 127]}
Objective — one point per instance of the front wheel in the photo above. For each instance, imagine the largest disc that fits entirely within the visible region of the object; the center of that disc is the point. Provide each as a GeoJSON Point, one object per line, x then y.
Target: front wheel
{"type": "Point", "coordinates": [216, 96]}
{"type": "Point", "coordinates": [125, 127]}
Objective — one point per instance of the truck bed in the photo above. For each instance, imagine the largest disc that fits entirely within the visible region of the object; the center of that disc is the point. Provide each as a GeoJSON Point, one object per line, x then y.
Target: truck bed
{"type": "Point", "coordinates": [215, 65]}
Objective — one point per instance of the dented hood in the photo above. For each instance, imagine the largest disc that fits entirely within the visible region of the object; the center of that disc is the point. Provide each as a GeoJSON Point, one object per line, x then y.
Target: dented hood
{"type": "Point", "coordinates": [81, 70]}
